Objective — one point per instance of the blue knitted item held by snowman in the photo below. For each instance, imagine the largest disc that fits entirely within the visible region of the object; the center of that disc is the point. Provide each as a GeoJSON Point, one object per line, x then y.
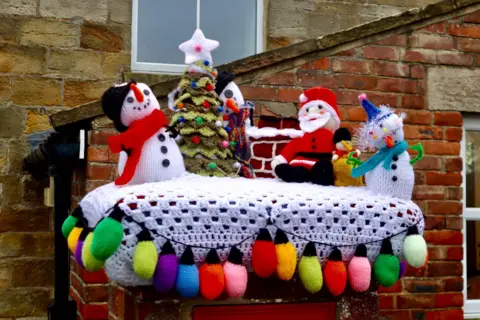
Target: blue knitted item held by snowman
{"type": "Point", "coordinates": [389, 170]}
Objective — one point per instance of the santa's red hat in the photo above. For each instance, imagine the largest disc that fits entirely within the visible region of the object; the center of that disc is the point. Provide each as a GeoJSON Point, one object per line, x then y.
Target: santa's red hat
{"type": "Point", "coordinates": [320, 96]}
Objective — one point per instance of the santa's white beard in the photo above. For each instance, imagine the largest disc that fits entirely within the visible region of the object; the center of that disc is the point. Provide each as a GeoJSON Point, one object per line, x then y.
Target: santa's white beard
{"type": "Point", "coordinates": [313, 122]}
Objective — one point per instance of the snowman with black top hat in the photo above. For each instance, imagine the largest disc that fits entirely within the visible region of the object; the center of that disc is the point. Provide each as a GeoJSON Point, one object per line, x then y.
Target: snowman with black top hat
{"type": "Point", "coordinates": [149, 152]}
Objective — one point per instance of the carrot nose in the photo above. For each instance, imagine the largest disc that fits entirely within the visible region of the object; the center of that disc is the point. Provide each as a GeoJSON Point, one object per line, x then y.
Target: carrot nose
{"type": "Point", "coordinates": [232, 105]}
{"type": "Point", "coordinates": [138, 94]}
{"type": "Point", "coordinates": [389, 141]}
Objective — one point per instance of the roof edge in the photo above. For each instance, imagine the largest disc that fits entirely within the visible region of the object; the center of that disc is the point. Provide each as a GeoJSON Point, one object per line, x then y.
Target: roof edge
{"type": "Point", "coordinates": [270, 59]}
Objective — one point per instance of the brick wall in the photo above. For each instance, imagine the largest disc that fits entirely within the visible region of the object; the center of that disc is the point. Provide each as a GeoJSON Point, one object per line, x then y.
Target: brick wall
{"type": "Point", "coordinates": [54, 54]}
{"type": "Point", "coordinates": [395, 71]}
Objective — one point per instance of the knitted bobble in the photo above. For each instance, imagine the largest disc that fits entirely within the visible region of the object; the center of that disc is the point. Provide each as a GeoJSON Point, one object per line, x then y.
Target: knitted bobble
{"type": "Point", "coordinates": [145, 256]}
{"type": "Point", "coordinates": [218, 123]}
{"type": "Point", "coordinates": [166, 271]}
{"type": "Point", "coordinates": [209, 87]}
{"type": "Point", "coordinates": [188, 282]}
{"type": "Point", "coordinates": [403, 269]}
{"type": "Point", "coordinates": [71, 221]}
{"type": "Point", "coordinates": [236, 276]}
{"type": "Point", "coordinates": [89, 261]}
{"type": "Point", "coordinates": [414, 248]}
{"type": "Point", "coordinates": [108, 235]}
{"type": "Point", "coordinates": [212, 278]}
{"type": "Point", "coordinates": [359, 270]}
{"type": "Point", "coordinates": [206, 104]}
{"type": "Point", "coordinates": [224, 144]}
{"type": "Point", "coordinates": [286, 255]}
{"type": "Point", "coordinates": [335, 273]}
{"type": "Point", "coordinates": [79, 247]}
{"type": "Point", "coordinates": [386, 268]}
{"type": "Point", "coordinates": [264, 255]}
{"type": "Point", "coordinates": [310, 270]}
{"type": "Point", "coordinates": [73, 238]}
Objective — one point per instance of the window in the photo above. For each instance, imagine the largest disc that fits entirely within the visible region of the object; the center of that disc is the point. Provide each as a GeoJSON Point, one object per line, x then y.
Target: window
{"type": "Point", "coordinates": [159, 26]}
{"type": "Point", "coordinates": [471, 214]}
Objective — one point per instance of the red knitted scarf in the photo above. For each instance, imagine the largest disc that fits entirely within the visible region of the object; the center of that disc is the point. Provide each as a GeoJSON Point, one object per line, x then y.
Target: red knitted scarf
{"type": "Point", "coordinates": [133, 140]}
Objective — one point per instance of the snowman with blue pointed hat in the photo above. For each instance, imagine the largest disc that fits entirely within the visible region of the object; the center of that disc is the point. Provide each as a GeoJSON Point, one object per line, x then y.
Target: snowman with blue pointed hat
{"type": "Point", "coordinates": [389, 171]}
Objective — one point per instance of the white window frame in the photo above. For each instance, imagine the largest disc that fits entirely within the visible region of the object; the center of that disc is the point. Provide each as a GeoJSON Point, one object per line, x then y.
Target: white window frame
{"type": "Point", "coordinates": [471, 308]}
{"type": "Point", "coordinates": [167, 68]}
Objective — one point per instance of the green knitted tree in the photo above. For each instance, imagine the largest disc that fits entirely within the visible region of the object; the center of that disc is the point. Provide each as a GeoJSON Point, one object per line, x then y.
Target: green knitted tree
{"type": "Point", "coordinates": [199, 120]}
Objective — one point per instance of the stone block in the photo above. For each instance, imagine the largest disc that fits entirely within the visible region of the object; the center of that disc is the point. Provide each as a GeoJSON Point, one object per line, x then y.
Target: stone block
{"type": "Point", "coordinates": [102, 38]}
{"type": "Point", "coordinates": [38, 92]}
{"type": "Point", "coordinates": [90, 10]}
{"type": "Point", "coordinates": [12, 121]}
{"type": "Point", "coordinates": [11, 190]}
{"type": "Point", "coordinates": [24, 302]}
{"type": "Point", "coordinates": [16, 244]}
{"type": "Point", "coordinates": [404, 3]}
{"type": "Point", "coordinates": [33, 189]}
{"type": "Point", "coordinates": [84, 64]}
{"type": "Point", "coordinates": [21, 219]}
{"type": "Point", "coordinates": [453, 89]}
{"type": "Point", "coordinates": [5, 89]}
{"type": "Point", "coordinates": [49, 33]}
{"type": "Point", "coordinates": [20, 59]}
{"type": "Point", "coordinates": [120, 11]}
{"type": "Point", "coordinates": [18, 149]}
{"type": "Point", "coordinates": [19, 7]}
{"type": "Point", "coordinates": [9, 28]}
{"type": "Point", "coordinates": [80, 92]}
{"type": "Point", "coordinates": [37, 122]}
{"type": "Point", "coordinates": [114, 64]}
{"type": "Point", "coordinates": [3, 155]}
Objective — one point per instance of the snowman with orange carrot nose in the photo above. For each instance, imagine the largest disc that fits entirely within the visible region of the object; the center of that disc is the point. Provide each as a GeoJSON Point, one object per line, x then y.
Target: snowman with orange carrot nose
{"type": "Point", "coordinates": [389, 171]}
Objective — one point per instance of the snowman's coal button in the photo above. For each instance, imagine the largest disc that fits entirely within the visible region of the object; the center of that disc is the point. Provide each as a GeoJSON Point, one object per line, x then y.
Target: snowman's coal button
{"type": "Point", "coordinates": [161, 137]}
{"type": "Point", "coordinates": [394, 166]}
{"type": "Point", "coordinates": [394, 178]}
{"type": "Point", "coordinates": [165, 150]}
{"type": "Point", "coordinates": [395, 158]}
{"type": "Point", "coordinates": [166, 163]}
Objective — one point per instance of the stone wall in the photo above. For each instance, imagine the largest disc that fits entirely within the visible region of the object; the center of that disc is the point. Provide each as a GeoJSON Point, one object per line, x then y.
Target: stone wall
{"type": "Point", "coordinates": [54, 54]}
{"type": "Point", "coordinates": [292, 21]}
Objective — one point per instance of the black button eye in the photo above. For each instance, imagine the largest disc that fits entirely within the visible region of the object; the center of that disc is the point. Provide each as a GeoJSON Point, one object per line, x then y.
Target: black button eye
{"type": "Point", "coordinates": [130, 99]}
{"type": "Point", "coordinates": [146, 92]}
{"type": "Point", "coordinates": [381, 125]}
{"type": "Point", "coordinates": [319, 107]}
{"type": "Point", "coordinates": [308, 109]}
{"type": "Point", "coordinates": [228, 93]}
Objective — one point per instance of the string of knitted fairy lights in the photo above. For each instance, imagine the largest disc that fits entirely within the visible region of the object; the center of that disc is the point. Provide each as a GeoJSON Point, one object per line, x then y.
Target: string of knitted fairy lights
{"type": "Point", "coordinates": [268, 257]}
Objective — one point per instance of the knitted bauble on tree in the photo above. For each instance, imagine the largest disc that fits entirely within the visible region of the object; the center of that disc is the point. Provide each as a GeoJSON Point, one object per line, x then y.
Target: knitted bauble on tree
{"type": "Point", "coordinates": [198, 112]}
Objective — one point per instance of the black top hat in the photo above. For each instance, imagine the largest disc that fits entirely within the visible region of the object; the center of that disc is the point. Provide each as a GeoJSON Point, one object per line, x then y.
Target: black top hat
{"type": "Point", "coordinates": [112, 101]}
{"type": "Point", "coordinates": [342, 134]}
{"type": "Point", "coordinates": [223, 79]}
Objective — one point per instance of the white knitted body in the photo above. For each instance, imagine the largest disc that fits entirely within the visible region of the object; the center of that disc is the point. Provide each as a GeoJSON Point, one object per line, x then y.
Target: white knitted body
{"type": "Point", "coordinates": [397, 182]}
{"type": "Point", "coordinates": [160, 160]}
{"type": "Point", "coordinates": [213, 212]}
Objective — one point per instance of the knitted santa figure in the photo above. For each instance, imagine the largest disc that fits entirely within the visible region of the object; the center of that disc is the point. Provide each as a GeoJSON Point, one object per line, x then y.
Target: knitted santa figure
{"type": "Point", "coordinates": [152, 153]}
{"type": "Point", "coordinates": [308, 158]}
{"type": "Point", "coordinates": [342, 170]}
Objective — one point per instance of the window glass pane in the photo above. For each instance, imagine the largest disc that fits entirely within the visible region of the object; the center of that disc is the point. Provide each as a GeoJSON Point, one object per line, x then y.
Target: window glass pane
{"type": "Point", "coordinates": [232, 23]}
{"type": "Point", "coordinates": [162, 26]}
{"type": "Point", "coordinates": [472, 174]}
{"type": "Point", "coordinates": [473, 259]}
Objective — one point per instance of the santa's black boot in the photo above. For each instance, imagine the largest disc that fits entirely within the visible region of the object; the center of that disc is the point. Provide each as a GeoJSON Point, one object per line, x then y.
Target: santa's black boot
{"type": "Point", "coordinates": [290, 173]}
{"type": "Point", "coordinates": [322, 173]}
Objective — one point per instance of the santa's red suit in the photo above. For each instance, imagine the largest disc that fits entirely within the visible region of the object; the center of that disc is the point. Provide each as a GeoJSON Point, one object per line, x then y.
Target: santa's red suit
{"type": "Point", "coordinates": [308, 158]}
{"type": "Point", "coordinates": [307, 150]}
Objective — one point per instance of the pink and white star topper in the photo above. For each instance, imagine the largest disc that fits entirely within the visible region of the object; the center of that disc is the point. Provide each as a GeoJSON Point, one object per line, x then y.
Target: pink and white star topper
{"type": "Point", "coordinates": [198, 48]}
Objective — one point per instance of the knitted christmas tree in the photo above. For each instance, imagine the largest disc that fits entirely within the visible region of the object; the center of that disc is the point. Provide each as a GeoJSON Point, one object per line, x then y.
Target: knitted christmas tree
{"type": "Point", "coordinates": [199, 115]}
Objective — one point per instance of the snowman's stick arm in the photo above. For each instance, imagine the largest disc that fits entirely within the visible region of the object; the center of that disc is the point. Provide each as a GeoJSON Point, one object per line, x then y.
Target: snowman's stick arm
{"type": "Point", "coordinates": [355, 162]}
{"type": "Point", "coordinates": [419, 148]}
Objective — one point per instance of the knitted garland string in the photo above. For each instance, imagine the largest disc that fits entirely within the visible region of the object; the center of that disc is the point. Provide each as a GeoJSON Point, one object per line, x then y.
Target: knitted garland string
{"type": "Point", "coordinates": [287, 232]}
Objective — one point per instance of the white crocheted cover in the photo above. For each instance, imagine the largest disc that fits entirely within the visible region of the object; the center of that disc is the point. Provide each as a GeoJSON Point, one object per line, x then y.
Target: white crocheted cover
{"type": "Point", "coordinates": [213, 212]}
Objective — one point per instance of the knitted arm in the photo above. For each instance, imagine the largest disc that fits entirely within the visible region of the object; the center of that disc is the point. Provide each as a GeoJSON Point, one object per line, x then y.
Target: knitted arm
{"type": "Point", "coordinates": [288, 153]}
{"type": "Point", "coordinates": [419, 148]}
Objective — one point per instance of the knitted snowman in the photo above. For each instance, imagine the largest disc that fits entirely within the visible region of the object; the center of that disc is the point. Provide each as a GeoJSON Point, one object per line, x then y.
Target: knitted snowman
{"type": "Point", "coordinates": [148, 149]}
{"type": "Point", "coordinates": [389, 171]}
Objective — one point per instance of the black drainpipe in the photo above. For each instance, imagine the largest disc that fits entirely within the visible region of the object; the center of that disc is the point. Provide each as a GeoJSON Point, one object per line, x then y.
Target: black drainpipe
{"type": "Point", "coordinates": [58, 155]}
